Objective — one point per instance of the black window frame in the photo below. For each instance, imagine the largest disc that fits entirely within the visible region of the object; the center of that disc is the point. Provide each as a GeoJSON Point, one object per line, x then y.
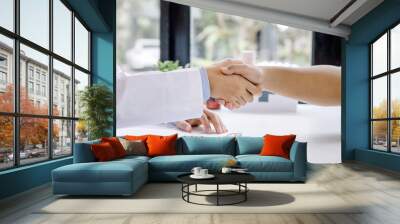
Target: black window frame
{"type": "Point", "coordinates": [388, 74]}
{"type": "Point", "coordinates": [16, 115]}
{"type": "Point", "coordinates": [175, 32]}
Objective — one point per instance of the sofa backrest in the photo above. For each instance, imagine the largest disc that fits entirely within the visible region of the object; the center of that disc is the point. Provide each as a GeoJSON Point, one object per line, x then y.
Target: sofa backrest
{"type": "Point", "coordinates": [192, 145]}
{"type": "Point", "coordinates": [249, 145]}
{"type": "Point", "coordinates": [83, 152]}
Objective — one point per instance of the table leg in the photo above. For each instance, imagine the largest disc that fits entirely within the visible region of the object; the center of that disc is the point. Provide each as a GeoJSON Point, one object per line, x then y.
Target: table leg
{"type": "Point", "coordinates": [217, 194]}
{"type": "Point", "coordinates": [188, 190]}
{"type": "Point", "coordinates": [195, 188]}
{"type": "Point", "coordinates": [182, 190]}
{"type": "Point", "coordinates": [245, 193]}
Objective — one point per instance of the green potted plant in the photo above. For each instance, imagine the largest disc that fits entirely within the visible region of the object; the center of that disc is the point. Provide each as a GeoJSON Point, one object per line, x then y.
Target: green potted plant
{"type": "Point", "coordinates": [96, 102]}
{"type": "Point", "coordinates": [166, 66]}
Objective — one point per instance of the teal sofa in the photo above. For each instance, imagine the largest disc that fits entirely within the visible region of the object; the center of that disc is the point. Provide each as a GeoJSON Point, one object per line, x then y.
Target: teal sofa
{"type": "Point", "coordinates": [125, 176]}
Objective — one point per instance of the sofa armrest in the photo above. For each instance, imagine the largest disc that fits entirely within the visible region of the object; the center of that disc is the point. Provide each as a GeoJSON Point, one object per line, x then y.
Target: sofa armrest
{"type": "Point", "coordinates": [83, 152]}
{"type": "Point", "coordinates": [298, 155]}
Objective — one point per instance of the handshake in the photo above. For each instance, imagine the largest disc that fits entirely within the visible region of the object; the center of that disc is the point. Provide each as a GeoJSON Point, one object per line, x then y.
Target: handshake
{"type": "Point", "coordinates": [234, 82]}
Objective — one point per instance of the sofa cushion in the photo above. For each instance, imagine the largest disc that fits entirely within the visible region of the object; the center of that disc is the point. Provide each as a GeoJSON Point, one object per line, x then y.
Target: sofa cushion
{"type": "Point", "coordinates": [131, 159]}
{"type": "Point", "coordinates": [249, 145]}
{"type": "Point", "coordinates": [112, 171]}
{"type": "Point", "coordinates": [275, 145]}
{"type": "Point", "coordinates": [196, 145]}
{"type": "Point", "coordinates": [161, 145]}
{"type": "Point", "coordinates": [185, 163]}
{"type": "Point", "coordinates": [136, 137]}
{"type": "Point", "coordinates": [257, 163]}
{"type": "Point", "coordinates": [136, 147]}
{"type": "Point", "coordinates": [116, 145]}
{"type": "Point", "coordinates": [103, 152]}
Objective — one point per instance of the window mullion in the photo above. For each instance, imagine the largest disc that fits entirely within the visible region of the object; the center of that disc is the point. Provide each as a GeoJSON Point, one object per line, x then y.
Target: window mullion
{"type": "Point", "coordinates": [73, 82]}
{"type": "Point", "coordinates": [389, 101]}
{"type": "Point", "coordinates": [89, 54]}
{"type": "Point", "coordinates": [50, 81]}
{"type": "Point", "coordinates": [371, 140]}
{"type": "Point", "coordinates": [16, 84]}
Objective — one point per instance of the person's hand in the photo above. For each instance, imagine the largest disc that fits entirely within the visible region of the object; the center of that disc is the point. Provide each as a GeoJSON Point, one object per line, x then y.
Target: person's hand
{"type": "Point", "coordinates": [234, 90]}
{"type": "Point", "coordinates": [208, 120]}
{"type": "Point", "coordinates": [250, 72]}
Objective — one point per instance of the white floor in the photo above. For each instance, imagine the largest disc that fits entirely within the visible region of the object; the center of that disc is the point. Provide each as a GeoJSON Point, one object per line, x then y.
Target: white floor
{"type": "Point", "coordinates": [318, 126]}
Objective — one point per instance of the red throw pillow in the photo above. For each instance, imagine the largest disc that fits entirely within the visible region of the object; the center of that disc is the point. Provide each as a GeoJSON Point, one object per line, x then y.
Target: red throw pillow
{"type": "Point", "coordinates": [116, 145]}
{"type": "Point", "coordinates": [161, 145]}
{"type": "Point", "coordinates": [103, 152]}
{"type": "Point", "coordinates": [277, 145]}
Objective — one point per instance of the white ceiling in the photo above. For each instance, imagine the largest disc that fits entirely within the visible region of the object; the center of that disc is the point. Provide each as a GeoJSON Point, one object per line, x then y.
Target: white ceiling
{"type": "Point", "coordinates": [314, 15]}
{"type": "Point", "coordinates": [321, 9]}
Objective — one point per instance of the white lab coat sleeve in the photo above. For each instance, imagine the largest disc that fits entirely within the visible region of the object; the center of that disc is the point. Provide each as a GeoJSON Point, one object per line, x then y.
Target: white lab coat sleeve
{"type": "Point", "coordinates": [158, 97]}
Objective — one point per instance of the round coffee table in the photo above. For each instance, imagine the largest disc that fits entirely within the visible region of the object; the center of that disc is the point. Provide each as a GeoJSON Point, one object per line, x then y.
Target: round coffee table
{"type": "Point", "coordinates": [238, 179]}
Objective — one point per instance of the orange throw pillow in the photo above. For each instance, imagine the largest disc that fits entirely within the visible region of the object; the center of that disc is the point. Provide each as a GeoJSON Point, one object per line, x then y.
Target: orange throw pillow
{"type": "Point", "coordinates": [136, 137]}
{"type": "Point", "coordinates": [103, 152]}
{"type": "Point", "coordinates": [116, 145]}
{"type": "Point", "coordinates": [161, 145]}
{"type": "Point", "coordinates": [277, 145]}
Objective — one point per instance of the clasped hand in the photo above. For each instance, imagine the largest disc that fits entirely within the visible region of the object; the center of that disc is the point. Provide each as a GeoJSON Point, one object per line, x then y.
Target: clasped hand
{"type": "Point", "coordinates": [234, 90]}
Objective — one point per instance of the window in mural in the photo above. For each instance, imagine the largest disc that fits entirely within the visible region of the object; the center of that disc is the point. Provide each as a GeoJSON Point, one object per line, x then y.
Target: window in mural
{"type": "Point", "coordinates": [385, 91]}
{"type": "Point", "coordinates": [45, 131]}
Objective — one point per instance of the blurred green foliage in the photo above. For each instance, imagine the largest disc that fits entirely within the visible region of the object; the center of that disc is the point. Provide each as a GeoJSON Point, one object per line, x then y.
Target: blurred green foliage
{"type": "Point", "coordinates": [166, 66]}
